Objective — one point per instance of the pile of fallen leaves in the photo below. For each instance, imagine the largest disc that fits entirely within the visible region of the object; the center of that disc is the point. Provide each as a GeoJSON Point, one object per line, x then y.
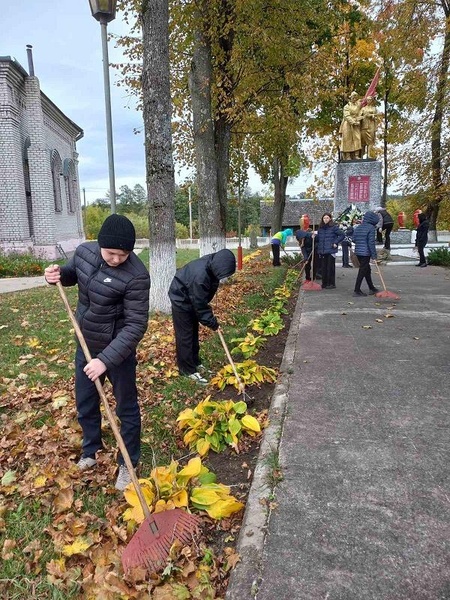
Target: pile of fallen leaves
{"type": "Point", "coordinates": [68, 526]}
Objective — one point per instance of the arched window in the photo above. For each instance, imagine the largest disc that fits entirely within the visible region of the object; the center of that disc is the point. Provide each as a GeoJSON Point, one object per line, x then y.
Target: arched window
{"type": "Point", "coordinates": [56, 172]}
{"type": "Point", "coordinates": [70, 181]}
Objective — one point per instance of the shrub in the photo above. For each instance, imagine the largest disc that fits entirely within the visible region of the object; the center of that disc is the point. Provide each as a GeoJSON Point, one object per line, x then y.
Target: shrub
{"type": "Point", "coordinates": [22, 265]}
{"type": "Point", "coordinates": [216, 424]}
{"type": "Point", "coordinates": [193, 487]}
{"type": "Point", "coordinates": [439, 257]}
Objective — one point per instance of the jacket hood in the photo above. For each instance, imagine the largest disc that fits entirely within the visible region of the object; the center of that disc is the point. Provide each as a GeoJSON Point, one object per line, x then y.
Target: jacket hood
{"type": "Point", "coordinates": [288, 232]}
{"type": "Point", "coordinates": [371, 217]}
{"type": "Point", "coordinates": [223, 264]}
{"type": "Point", "coordinates": [422, 217]}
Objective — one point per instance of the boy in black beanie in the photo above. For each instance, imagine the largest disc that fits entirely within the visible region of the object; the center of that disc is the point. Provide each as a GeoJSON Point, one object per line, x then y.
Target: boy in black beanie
{"type": "Point", "coordinates": [112, 311]}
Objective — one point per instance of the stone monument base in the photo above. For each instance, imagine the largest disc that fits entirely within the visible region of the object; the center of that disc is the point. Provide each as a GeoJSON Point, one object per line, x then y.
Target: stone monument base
{"type": "Point", "coordinates": [357, 182]}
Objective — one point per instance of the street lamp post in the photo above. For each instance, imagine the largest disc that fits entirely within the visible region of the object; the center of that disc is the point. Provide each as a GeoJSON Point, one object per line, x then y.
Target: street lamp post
{"type": "Point", "coordinates": [104, 11]}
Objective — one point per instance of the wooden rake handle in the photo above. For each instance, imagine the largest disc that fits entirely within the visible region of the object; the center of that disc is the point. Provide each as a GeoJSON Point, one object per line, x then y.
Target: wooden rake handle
{"type": "Point", "coordinates": [109, 413]}
{"type": "Point", "coordinates": [381, 276]}
{"type": "Point", "coordinates": [230, 360]}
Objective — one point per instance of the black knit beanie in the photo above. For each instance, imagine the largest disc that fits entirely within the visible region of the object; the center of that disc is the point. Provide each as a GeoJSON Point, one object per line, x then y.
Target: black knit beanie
{"type": "Point", "coordinates": [117, 233]}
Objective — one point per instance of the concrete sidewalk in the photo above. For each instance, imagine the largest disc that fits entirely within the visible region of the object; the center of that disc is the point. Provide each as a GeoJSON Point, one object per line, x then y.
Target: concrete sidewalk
{"type": "Point", "coordinates": [360, 422]}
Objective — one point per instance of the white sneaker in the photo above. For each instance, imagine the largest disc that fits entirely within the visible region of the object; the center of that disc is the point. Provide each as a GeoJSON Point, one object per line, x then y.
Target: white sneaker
{"type": "Point", "coordinates": [86, 462]}
{"type": "Point", "coordinates": [198, 378]}
{"type": "Point", "coordinates": [204, 369]}
{"type": "Point", "coordinates": [123, 478]}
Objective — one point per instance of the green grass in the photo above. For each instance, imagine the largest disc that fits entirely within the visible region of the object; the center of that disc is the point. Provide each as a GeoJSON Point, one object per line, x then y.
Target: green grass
{"type": "Point", "coordinates": [37, 348]}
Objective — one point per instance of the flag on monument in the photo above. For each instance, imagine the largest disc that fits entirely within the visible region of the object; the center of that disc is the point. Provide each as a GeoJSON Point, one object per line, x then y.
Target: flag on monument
{"type": "Point", "coordinates": [372, 87]}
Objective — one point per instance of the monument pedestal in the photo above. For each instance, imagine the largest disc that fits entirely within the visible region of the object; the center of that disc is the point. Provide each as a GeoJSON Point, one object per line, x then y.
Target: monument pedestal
{"type": "Point", "coordinates": [357, 182]}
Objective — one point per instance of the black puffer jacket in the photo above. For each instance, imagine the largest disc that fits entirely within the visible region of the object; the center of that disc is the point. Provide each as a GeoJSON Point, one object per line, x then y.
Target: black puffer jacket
{"type": "Point", "coordinates": [364, 236]}
{"type": "Point", "coordinates": [113, 302]}
{"type": "Point", "coordinates": [422, 231]}
{"type": "Point", "coordinates": [195, 284]}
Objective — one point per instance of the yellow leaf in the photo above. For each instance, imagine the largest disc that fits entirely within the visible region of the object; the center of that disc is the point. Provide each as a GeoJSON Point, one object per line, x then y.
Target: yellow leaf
{"type": "Point", "coordinates": [202, 446]}
{"type": "Point", "coordinates": [80, 545]}
{"type": "Point", "coordinates": [192, 469]}
{"type": "Point", "coordinates": [204, 497]}
{"type": "Point", "coordinates": [224, 508]}
{"type": "Point", "coordinates": [181, 499]}
{"type": "Point", "coordinates": [250, 423]}
{"type": "Point", "coordinates": [147, 490]}
{"type": "Point", "coordinates": [40, 481]}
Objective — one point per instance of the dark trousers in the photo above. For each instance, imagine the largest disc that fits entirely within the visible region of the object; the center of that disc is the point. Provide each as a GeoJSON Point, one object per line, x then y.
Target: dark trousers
{"type": "Point", "coordinates": [387, 235]}
{"type": "Point", "coordinates": [422, 259]}
{"type": "Point", "coordinates": [345, 255]}
{"type": "Point", "coordinates": [364, 272]}
{"type": "Point", "coordinates": [186, 326]}
{"type": "Point", "coordinates": [123, 380]}
{"type": "Point", "coordinates": [328, 269]}
{"type": "Point", "coordinates": [309, 259]}
{"type": "Point", "coordinates": [276, 255]}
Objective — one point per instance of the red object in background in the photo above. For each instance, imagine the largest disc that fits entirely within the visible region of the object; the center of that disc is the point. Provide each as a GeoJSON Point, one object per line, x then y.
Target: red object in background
{"type": "Point", "coordinates": [416, 221]}
{"type": "Point", "coordinates": [304, 222]}
{"type": "Point", "coordinates": [239, 258]}
{"type": "Point", "coordinates": [401, 219]}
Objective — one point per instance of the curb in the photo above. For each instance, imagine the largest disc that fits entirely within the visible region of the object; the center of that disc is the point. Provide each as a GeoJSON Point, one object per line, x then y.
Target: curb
{"type": "Point", "coordinates": [245, 577]}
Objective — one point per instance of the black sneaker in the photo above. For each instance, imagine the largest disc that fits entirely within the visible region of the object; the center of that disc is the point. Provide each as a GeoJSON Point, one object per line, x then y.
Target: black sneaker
{"type": "Point", "coordinates": [359, 293]}
{"type": "Point", "coordinates": [373, 291]}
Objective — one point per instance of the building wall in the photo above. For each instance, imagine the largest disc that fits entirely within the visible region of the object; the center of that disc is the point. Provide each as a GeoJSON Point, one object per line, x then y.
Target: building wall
{"type": "Point", "coordinates": [32, 129]}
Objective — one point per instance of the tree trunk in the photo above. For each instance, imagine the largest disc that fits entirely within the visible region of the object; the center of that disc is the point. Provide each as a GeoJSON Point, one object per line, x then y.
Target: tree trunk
{"type": "Point", "coordinates": [157, 111]}
{"type": "Point", "coordinates": [280, 182]}
{"type": "Point", "coordinates": [436, 129]}
{"type": "Point", "coordinates": [211, 227]}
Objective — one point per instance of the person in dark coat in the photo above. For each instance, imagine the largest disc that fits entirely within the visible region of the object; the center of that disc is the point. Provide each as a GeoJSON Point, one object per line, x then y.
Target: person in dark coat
{"type": "Point", "coordinates": [329, 236]}
{"type": "Point", "coordinates": [346, 245]}
{"type": "Point", "coordinates": [192, 289]}
{"type": "Point", "coordinates": [305, 241]}
{"type": "Point", "coordinates": [422, 238]}
{"type": "Point", "coordinates": [112, 311]}
{"type": "Point", "coordinates": [385, 223]}
{"type": "Point", "coordinates": [365, 249]}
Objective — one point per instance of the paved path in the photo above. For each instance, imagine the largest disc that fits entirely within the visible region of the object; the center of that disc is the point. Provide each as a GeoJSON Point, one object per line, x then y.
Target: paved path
{"type": "Point", "coordinates": [360, 421]}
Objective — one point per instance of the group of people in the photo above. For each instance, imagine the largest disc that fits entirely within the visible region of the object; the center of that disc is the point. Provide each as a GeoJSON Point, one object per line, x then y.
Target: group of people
{"type": "Point", "coordinates": [112, 312]}
{"type": "Point", "coordinates": [358, 128]}
{"type": "Point", "coordinates": [320, 247]}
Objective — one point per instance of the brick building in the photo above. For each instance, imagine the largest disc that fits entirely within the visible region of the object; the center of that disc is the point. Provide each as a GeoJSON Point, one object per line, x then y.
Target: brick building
{"type": "Point", "coordinates": [40, 207]}
{"type": "Point", "coordinates": [293, 210]}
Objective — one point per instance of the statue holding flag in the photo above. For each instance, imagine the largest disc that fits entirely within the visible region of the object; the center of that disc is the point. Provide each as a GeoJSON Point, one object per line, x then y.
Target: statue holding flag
{"type": "Point", "coordinates": [359, 124]}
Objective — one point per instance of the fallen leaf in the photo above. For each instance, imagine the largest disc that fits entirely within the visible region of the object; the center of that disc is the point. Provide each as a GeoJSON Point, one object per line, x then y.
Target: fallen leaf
{"type": "Point", "coordinates": [389, 316]}
{"type": "Point", "coordinates": [416, 338]}
{"type": "Point", "coordinates": [379, 320]}
{"type": "Point", "coordinates": [367, 326]}
{"type": "Point", "coordinates": [8, 478]}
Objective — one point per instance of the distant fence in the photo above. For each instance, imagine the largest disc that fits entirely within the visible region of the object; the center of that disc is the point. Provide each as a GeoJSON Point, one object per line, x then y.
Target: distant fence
{"type": "Point", "coordinates": [233, 243]}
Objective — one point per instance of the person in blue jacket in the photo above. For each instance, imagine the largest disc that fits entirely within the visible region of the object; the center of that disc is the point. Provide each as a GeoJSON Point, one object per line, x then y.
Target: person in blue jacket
{"type": "Point", "coordinates": [329, 236]}
{"type": "Point", "coordinates": [365, 249]}
{"type": "Point", "coordinates": [278, 242]}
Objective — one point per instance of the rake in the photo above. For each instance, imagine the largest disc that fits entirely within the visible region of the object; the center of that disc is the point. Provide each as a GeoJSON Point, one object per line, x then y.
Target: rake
{"type": "Point", "coordinates": [150, 546]}
{"type": "Point", "coordinates": [240, 383]}
{"type": "Point", "coordinates": [385, 293]}
{"type": "Point", "coordinates": [312, 286]}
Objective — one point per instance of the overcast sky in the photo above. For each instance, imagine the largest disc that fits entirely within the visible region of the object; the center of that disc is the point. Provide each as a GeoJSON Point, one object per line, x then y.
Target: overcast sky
{"type": "Point", "coordinates": [67, 56]}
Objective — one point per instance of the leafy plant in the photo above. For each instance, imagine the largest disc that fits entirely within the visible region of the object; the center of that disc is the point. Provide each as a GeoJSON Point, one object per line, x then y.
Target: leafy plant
{"type": "Point", "coordinates": [216, 424]}
{"type": "Point", "coordinates": [250, 373]}
{"type": "Point", "coordinates": [192, 487]}
{"type": "Point", "coordinates": [439, 257]}
{"type": "Point", "coordinates": [269, 323]}
{"type": "Point", "coordinates": [248, 346]}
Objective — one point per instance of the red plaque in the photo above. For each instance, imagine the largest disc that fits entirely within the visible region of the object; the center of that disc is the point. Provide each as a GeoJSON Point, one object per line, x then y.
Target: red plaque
{"type": "Point", "coordinates": [358, 188]}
